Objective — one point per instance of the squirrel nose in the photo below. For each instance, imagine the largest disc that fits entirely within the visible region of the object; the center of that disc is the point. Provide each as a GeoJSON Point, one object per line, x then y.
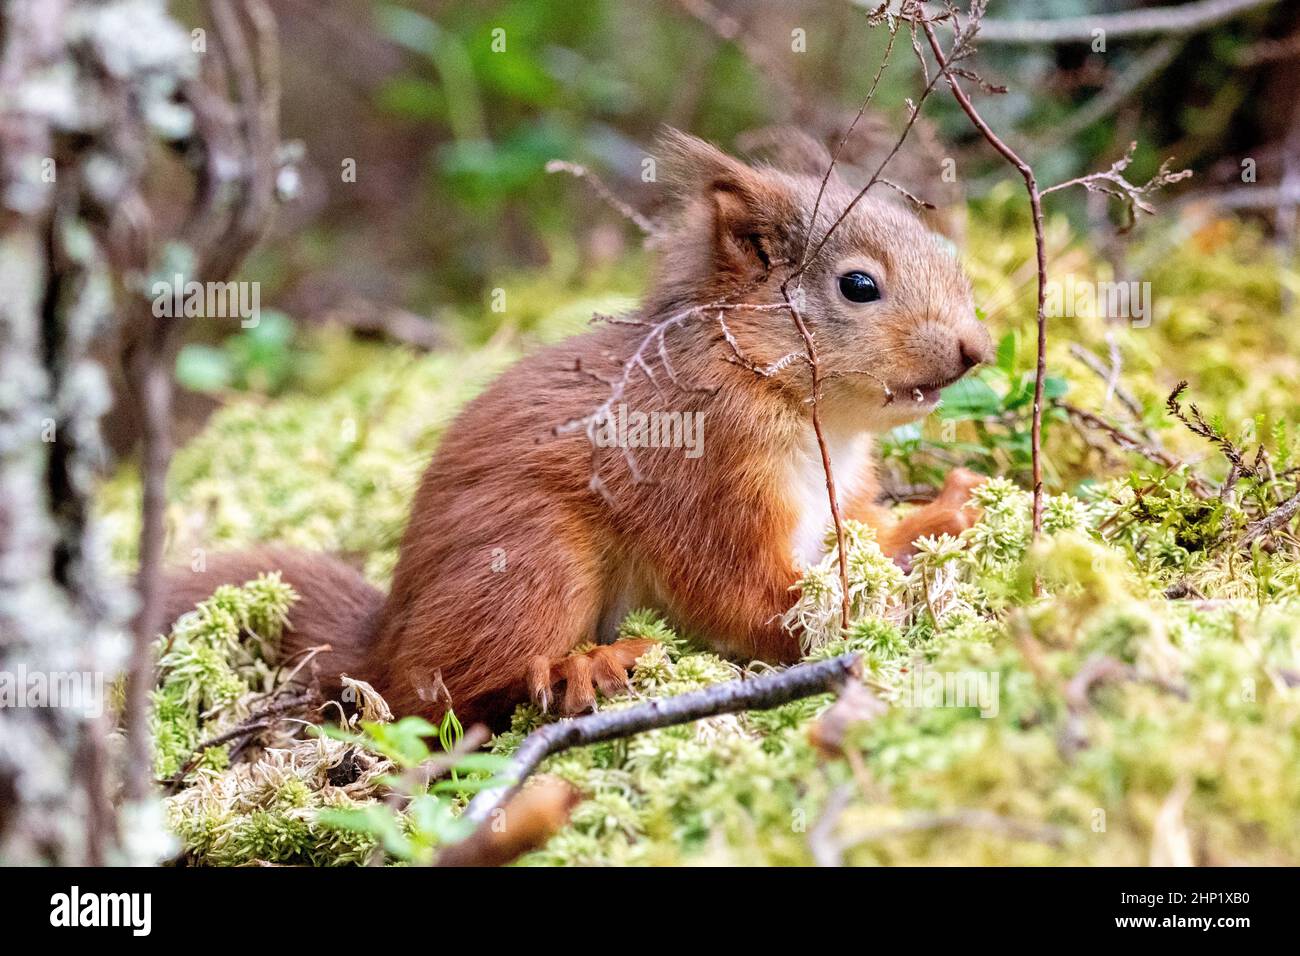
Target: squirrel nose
{"type": "Point", "coordinates": [975, 349]}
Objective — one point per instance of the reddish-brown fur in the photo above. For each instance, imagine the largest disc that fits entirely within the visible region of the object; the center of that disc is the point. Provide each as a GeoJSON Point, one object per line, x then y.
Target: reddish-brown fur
{"type": "Point", "coordinates": [512, 558]}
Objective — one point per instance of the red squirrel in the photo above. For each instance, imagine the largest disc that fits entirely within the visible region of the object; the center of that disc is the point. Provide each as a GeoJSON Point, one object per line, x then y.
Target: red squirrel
{"type": "Point", "coordinates": [524, 544]}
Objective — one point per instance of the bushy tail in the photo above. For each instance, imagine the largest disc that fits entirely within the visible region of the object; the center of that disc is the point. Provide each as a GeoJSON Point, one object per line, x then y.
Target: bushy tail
{"type": "Point", "coordinates": [335, 606]}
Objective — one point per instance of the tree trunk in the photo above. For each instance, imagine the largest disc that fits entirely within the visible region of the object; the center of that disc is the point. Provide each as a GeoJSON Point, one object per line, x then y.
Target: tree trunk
{"type": "Point", "coordinates": [83, 86]}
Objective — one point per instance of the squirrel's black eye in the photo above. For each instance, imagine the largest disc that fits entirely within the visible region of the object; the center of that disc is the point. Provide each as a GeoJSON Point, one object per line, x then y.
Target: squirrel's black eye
{"type": "Point", "coordinates": [859, 287]}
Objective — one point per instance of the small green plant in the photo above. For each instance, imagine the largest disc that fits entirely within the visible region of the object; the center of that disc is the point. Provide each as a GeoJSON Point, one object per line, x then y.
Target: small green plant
{"type": "Point", "coordinates": [419, 813]}
{"type": "Point", "coordinates": [995, 405]}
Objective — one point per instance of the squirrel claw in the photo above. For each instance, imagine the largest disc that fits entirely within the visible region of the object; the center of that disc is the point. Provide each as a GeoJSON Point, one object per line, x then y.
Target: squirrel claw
{"type": "Point", "coordinates": [604, 668]}
{"type": "Point", "coordinates": [539, 681]}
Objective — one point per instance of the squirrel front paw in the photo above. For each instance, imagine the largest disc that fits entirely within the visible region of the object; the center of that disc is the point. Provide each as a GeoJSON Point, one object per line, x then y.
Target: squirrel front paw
{"type": "Point", "coordinates": [604, 667]}
{"type": "Point", "coordinates": [957, 488]}
{"type": "Point", "coordinates": [952, 512]}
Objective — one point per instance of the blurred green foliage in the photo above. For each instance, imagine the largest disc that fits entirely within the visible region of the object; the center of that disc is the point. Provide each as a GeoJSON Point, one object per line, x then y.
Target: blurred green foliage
{"type": "Point", "coordinates": [449, 111]}
{"type": "Point", "coordinates": [261, 358]}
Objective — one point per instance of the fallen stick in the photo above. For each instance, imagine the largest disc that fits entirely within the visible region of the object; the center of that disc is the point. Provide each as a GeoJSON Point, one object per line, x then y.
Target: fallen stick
{"type": "Point", "coordinates": [253, 724]}
{"type": "Point", "coordinates": [757, 693]}
{"type": "Point", "coordinates": [1275, 519]}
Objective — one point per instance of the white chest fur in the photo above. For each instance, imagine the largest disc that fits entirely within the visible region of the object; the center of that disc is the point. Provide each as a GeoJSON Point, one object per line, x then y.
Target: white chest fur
{"type": "Point", "coordinates": [850, 450]}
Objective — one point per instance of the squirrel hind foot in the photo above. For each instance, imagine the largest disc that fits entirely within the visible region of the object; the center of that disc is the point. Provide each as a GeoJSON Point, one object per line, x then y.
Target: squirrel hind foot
{"type": "Point", "coordinates": [604, 668]}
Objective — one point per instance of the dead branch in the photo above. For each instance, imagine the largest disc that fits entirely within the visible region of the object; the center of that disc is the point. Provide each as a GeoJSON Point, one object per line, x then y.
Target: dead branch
{"type": "Point", "coordinates": [1161, 21]}
{"type": "Point", "coordinates": [826, 848]}
{"type": "Point", "coordinates": [1115, 184]}
{"type": "Point", "coordinates": [756, 693]}
{"type": "Point", "coordinates": [1040, 244]}
{"type": "Point", "coordinates": [653, 345]}
{"type": "Point", "coordinates": [1111, 182]}
{"type": "Point", "coordinates": [1130, 442]}
{"type": "Point", "coordinates": [872, 19]}
{"type": "Point", "coordinates": [842, 561]}
{"type": "Point", "coordinates": [857, 704]}
{"type": "Point", "coordinates": [1113, 387]}
{"type": "Point", "coordinates": [810, 345]}
{"type": "Point", "coordinates": [914, 112]}
{"type": "Point", "coordinates": [1275, 519]}
{"type": "Point", "coordinates": [739, 357]}
{"type": "Point", "coordinates": [255, 723]}
{"type": "Point", "coordinates": [1097, 670]}
{"type": "Point", "coordinates": [910, 197]}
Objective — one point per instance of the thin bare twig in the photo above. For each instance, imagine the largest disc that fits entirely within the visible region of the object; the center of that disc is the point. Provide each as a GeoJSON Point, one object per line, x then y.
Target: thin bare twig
{"type": "Point", "coordinates": [1275, 519]}
{"type": "Point", "coordinates": [1111, 182]}
{"type": "Point", "coordinates": [835, 157]}
{"type": "Point", "coordinates": [1113, 386]}
{"type": "Point", "coordinates": [255, 723]}
{"type": "Point", "coordinates": [826, 848]}
{"type": "Point", "coordinates": [1179, 20]}
{"type": "Point", "coordinates": [757, 693]}
{"type": "Point", "coordinates": [652, 345]}
{"type": "Point", "coordinates": [810, 345]}
{"type": "Point", "coordinates": [1097, 670]}
{"type": "Point", "coordinates": [1040, 251]}
{"type": "Point", "coordinates": [1123, 438]}
{"type": "Point", "coordinates": [607, 195]}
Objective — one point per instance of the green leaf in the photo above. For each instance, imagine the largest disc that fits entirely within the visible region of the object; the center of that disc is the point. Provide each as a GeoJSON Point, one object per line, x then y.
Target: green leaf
{"type": "Point", "coordinates": [402, 742]}
{"type": "Point", "coordinates": [468, 786]}
{"type": "Point", "coordinates": [434, 821]}
{"type": "Point", "coordinates": [969, 398]}
{"type": "Point", "coordinates": [1006, 360]}
{"type": "Point", "coordinates": [375, 820]}
{"type": "Point", "coordinates": [488, 763]}
{"type": "Point", "coordinates": [1054, 387]}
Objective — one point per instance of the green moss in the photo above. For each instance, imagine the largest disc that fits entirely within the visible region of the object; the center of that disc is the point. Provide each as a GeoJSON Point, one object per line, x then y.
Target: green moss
{"type": "Point", "coordinates": [1207, 703]}
{"type": "Point", "coordinates": [216, 658]}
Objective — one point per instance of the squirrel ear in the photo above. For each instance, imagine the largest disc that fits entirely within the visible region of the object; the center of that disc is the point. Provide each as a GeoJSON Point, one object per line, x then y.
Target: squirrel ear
{"type": "Point", "coordinates": [789, 149]}
{"type": "Point", "coordinates": [747, 211]}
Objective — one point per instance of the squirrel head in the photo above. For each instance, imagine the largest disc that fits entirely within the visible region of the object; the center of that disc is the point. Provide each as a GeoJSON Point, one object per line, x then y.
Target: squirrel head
{"type": "Point", "coordinates": [885, 298]}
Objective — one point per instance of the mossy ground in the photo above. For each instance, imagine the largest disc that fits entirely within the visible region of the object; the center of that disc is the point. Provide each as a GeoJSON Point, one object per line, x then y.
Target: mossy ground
{"type": "Point", "coordinates": [1188, 749]}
